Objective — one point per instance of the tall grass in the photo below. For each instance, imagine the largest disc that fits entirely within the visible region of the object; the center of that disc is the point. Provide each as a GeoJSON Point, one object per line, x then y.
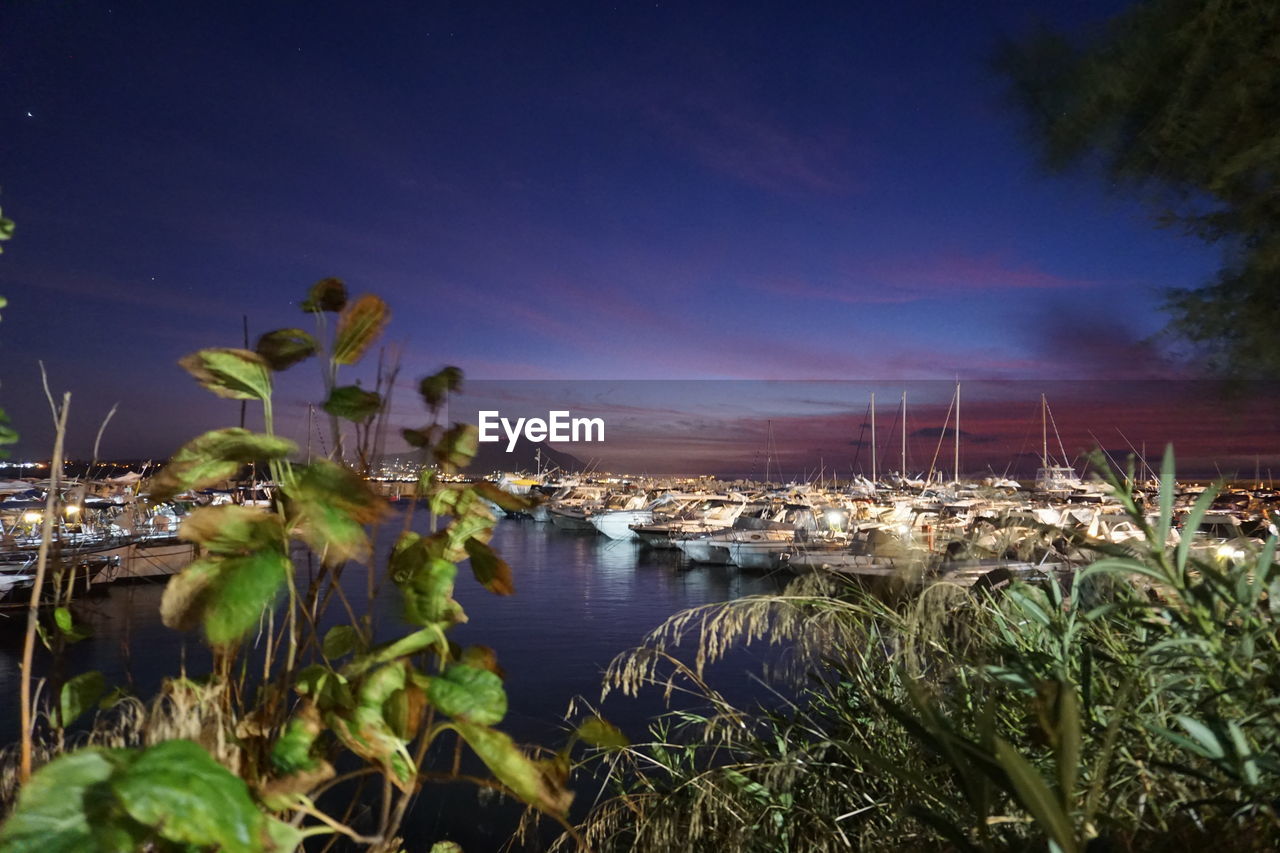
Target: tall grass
{"type": "Point", "coordinates": [1132, 706]}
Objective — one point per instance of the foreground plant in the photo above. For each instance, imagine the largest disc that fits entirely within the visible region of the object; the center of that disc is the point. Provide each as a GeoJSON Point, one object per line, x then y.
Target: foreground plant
{"type": "Point", "coordinates": [1131, 707]}
{"type": "Point", "coordinates": [244, 759]}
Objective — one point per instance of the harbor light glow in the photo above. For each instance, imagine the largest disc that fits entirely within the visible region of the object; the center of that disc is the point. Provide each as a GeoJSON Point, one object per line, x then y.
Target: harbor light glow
{"type": "Point", "coordinates": [31, 517]}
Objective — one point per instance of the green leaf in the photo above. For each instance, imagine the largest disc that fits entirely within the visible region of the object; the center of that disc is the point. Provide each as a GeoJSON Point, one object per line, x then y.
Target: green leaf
{"type": "Point", "coordinates": [491, 570]}
{"type": "Point", "coordinates": [523, 776]}
{"type": "Point", "coordinates": [472, 520]}
{"type": "Point", "coordinates": [51, 812]}
{"type": "Point", "coordinates": [423, 437]}
{"type": "Point", "coordinates": [426, 580]}
{"type": "Point", "coordinates": [359, 326]}
{"type": "Point", "coordinates": [1035, 797]}
{"type": "Point", "coordinates": [328, 506]}
{"type": "Point", "coordinates": [340, 640]}
{"type": "Point", "coordinates": [226, 594]}
{"type": "Point", "coordinates": [1068, 751]}
{"type": "Point", "coordinates": [1210, 745]}
{"type": "Point", "coordinates": [282, 837]}
{"type": "Point", "coordinates": [79, 694]}
{"type": "Point", "coordinates": [436, 387]}
{"type": "Point", "coordinates": [353, 403]}
{"type": "Point", "coordinates": [601, 733]}
{"type": "Point", "coordinates": [468, 693]}
{"type": "Point", "coordinates": [366, 731]}
{"type": "Point", "coordinates": [457, 446]}
{"type": "Point", "coordinates": [235, 373]}
{"type": "Point", "coordinates": [292, 752]}
{"type": "Point", "coordinates": [72, 632]}
{"type": "Point", "coordinates": [327, 294]}
{"type": "Point", "coordinates": [1192, 524]}
{"type": "Point", "coordinates": [328, 689]}
{"type": "Point", "coordinates": [445, 847]}
{"type": "Point", "coordinates": [283, 348]}
{"type": "Point", "coordinates": [216, 456]}
{"type": "Point", "coordinates": [177, 788]}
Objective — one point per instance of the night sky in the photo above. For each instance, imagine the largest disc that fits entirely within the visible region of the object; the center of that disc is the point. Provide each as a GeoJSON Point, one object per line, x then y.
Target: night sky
{"type": "Point", "coordinates": [579, 190]}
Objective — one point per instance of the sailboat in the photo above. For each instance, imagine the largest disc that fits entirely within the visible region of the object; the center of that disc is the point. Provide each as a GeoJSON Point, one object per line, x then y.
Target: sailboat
{"type": "Point", "coordinates": [1050, 478]}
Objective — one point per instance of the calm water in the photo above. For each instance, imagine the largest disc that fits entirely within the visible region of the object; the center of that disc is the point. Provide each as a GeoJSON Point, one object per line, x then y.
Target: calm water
{"type": "Point", "coordinates": [580, 600]}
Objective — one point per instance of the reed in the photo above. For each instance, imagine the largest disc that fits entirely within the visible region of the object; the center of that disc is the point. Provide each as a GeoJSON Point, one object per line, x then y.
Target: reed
{"type": "Point", "coordinates": [1132, 707]}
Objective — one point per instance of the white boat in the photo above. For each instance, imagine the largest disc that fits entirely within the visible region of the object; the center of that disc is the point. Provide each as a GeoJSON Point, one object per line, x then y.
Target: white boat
{"type": "Point", "coordinates": [707, 515]}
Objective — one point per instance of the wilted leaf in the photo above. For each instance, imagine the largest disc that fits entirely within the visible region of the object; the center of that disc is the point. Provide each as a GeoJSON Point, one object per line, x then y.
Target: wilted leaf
{"type": "Point", "coordinates": [436, 387]}
{"type": "Point", "coordinates": [216, 456]}
{"type": "Point", "coordinates": [282, 792]}
{"type": "Point", "coordinates": [189, 798]}
{"type": "Point", "coordinates": [467, 693]}
{"type": "Point", "coordinates": [231, 529]}
{"type": "Point", "coordinates": [353, 403]}
{"type": "Point", "coordinates": [80, 694]}
{"type": "Point", "coordinates": [327, 294]}
{"type": "Point", "coordinates": [404, 710]}
{"type": "Point", "coordinates": [328, 508]}
{"type": "Point", "coordinates": [283, 348]}
{"type": "Point", "coordinates": [481, 657]}
{"type": "Point", "coordinates": [513, 768]}
{"type": "Point", "coordinates": [491, 570]}
{"type": "Point", "coordinates": [235, 373]}
{"type": "Point", "coordinates": [457, 446]}
{"type": "Point", "coordinates": [600, 732]}
{"type": "Point", "coordinates": [358, 327]}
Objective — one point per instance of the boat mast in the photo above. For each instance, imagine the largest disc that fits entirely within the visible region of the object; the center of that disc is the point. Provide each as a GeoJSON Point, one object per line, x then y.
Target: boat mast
{"type": "Point", "coordinates": [768, 436]}
{"type": "Point", "coordinates": [957, 468]}
{"type": "Point", "coordinates": [904, 435]}
{"type": "Point", "coordinates": [1044, 432]}
{"type": "Point", "coordinates": [873, 437]}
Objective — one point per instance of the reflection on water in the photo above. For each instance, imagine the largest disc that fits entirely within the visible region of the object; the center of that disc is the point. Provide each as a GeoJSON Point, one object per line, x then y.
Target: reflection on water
{"type": "Point", "coordinates": [580, 599]}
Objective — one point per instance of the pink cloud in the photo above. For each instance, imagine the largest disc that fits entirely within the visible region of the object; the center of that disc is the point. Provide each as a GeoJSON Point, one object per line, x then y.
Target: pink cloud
{"type": "Point", "coordinates": [889, 282]}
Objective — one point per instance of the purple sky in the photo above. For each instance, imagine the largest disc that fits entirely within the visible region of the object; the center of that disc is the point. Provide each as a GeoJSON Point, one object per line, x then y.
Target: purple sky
{"type": "Point", "coordinates": [549, 191]}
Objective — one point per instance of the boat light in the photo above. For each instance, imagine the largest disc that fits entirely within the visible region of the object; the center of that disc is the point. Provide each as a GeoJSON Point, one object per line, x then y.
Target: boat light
{"type": "Point", "coordinates": [835, 517]}
{"type": "Point", "coordinates": [1230, 552]}
{"type": "Point", "coordinates": [31, 517]}
{"type": "Point", "coordinates": [72, 509]}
